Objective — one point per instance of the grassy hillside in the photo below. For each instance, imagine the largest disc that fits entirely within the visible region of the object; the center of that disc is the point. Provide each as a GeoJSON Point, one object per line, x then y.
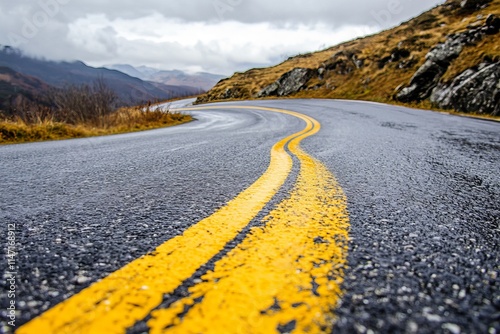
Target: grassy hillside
{"type": "Point", "coordinates": [372, 68]}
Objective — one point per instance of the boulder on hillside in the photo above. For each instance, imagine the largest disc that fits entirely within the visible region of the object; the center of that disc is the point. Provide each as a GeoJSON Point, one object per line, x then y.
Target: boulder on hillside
{"type": "Point", "coordinates": [492, 24]}
{"type": "Point", "coordinates": [396, 55]}
{"type": "Point", "coordinates": [288, 83]}
{"type": "Point", "coordinates": [344, 62]}
{"type": "Point", "coordinates": [470, 6]}
{"type": "Point", "coordinates": [474, 90]}
{"type": "Point", "coordinates": [439, 58]}
{"type": "Point", "coordinates": [464, 7]}
{"type": "Point", "coordinates": [428, 75]}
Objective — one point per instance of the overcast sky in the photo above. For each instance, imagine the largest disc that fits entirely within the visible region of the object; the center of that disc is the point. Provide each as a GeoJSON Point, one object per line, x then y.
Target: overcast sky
{"type": "Point", "coordinates": [218, 36]}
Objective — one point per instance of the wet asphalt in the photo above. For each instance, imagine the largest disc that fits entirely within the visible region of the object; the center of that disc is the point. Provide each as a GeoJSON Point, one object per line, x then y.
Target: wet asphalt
{"type": "Point", "coordinates": [423, 191]}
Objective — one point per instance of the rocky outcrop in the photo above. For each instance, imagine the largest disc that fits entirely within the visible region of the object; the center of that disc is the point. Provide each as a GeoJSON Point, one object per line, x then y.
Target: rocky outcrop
{"type": "Point", "coordinates": [396, 55]}
{"type": "Point", "coordinates": [439, 59]}
{"type": "Point", "coordinates": [343, 63]}
{"type": "Point", "coordinates": [464, 7]}
{"type": "Point", "coordinates": [469, 6]}
{"type": "Point", "coordinates": [288, 83]}
{"type": "Point", "coordinates": [475, 90]}
{"type": "Point", "coordinates": [492, 26]}
{"type": "Point", "coordinates": [437, 62]}
{"type": "Point", "coordinates": [428, 75]}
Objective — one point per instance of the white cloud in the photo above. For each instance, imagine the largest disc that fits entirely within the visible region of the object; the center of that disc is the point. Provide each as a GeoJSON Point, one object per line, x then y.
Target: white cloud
{"type": "Point", "coordinates": [94, 35]}
{"type": "Point", "coordinates": [223, 46]}
{"type": "Point", "coordinates": [196, 34]}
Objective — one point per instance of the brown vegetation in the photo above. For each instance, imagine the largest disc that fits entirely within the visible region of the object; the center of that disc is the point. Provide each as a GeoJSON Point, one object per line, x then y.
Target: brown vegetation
{"type": "Point", "coordinates": [78, 111]}
{"type": "Point", "coordinates": [120, 121]}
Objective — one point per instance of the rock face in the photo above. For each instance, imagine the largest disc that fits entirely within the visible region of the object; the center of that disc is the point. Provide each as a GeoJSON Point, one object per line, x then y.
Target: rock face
{"type": "Point", "coordinates": [343, 63]}
{"type": "Point", "coordinates": [466, 7]}
{"type": "Point", "coordinates": [469, 6]}
{"type": "Point", "coordinates": [437, 62]}
{"type": "Point", "coordinates": [426, 80]}
{"type": "Point", "coordinates": [492, 25]}
{"type": "Point", "coordinates": [428, 75]}
{"type": "Point", "coordinates": [396, 55]}
{"type": "Point", "coordinates": [474, 90]}
{"type": "Point", "coordinates": [288, 83]}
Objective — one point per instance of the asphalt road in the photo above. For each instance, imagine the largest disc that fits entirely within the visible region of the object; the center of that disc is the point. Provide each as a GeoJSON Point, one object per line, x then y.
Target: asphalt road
{"type": "Point", "coordinates": [423, 193]}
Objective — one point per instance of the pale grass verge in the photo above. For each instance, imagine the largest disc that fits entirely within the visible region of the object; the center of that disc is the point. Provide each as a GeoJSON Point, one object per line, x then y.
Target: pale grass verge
{"type": "Point", "coordinates": [122, 121]}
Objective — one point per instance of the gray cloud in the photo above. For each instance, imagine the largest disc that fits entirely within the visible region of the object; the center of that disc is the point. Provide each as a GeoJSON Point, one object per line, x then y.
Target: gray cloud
{"type": "Point", "coordinates": [216, 35]}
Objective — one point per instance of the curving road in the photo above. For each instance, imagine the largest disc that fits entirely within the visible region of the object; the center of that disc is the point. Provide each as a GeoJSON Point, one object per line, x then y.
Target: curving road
{"type": "Point", "coordinates": [422, 189]}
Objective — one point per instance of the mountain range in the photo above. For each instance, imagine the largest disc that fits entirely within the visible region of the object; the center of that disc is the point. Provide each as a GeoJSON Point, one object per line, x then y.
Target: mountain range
{"type": "Point", "coordinates": [202, 80]}
{"type": "Point", "coordinates": [32, 78]}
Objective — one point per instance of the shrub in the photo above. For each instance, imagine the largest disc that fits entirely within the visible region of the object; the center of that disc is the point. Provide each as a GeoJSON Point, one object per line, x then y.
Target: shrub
{"type": "Point", "coordinates": [87, 104]}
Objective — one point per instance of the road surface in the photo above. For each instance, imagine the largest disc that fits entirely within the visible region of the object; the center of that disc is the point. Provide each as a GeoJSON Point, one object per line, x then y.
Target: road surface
{"type": "Point", "coordinates": [350, 216]}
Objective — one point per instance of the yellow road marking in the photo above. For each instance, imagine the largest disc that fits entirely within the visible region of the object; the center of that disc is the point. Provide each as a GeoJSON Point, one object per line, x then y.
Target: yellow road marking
{"type": "Point", "coordinates": [286, 273]}
{"type": "Point", "coordinates": [130, 293]}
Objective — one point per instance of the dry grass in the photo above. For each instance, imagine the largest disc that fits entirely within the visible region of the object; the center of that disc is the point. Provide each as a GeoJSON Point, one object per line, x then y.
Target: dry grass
{"type": "Point", "coordinates": [371, 82]}
{"type": "Point", "coordinates": [121, 121]}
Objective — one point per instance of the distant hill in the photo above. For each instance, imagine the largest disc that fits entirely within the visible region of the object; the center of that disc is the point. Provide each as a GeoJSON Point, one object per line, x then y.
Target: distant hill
{"type": "Point", "coordinates": [15, 86]}
{"type": "Point", "coordinates": [446, 58]}
{"type": "Point", "coordinates": [201, 80]}
{"type": "Point", "coordinates": [128, 69]}
{"type": "Point", "coordinates": [129, 89]}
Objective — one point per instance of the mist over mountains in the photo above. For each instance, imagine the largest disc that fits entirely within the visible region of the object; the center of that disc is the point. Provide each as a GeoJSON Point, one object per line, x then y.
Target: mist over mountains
{"type": "Point", "coordinates": [32, 78]}
{"type": "Point", "coordinates": [202, 80]}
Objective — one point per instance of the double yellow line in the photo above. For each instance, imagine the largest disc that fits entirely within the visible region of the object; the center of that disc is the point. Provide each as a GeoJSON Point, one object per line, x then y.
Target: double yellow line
{"type": "Point", "coordinates": [283, 275]}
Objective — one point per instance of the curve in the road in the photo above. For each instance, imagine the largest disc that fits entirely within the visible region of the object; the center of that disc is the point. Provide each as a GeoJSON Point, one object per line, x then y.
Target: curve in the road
{"type": "Point", "coordinates": [298, 232]}
{"type": "Point", "coordinates": [284, 276]}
